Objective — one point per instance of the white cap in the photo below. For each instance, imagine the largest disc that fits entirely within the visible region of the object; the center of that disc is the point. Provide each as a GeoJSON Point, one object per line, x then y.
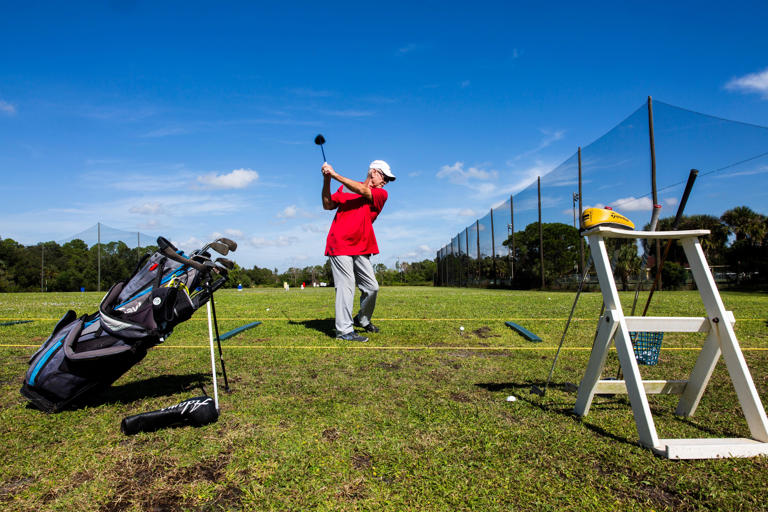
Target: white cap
{"type": "Point", "coordinates": [381, 165]}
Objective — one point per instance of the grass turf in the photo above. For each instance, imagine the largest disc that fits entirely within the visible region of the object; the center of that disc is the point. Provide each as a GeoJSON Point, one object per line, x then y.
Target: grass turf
{"type": "Point", "coordinates": [415, 419]}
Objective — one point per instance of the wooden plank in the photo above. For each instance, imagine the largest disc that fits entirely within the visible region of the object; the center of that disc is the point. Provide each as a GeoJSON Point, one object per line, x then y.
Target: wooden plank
{"type": "Point", "coordinates": [525, 333]}
{"type": "Point", "coordinates": [608, 232]}
{"type": "Point", "coordinates": [652, 387]}
{"type": "Point", "coordinates": [672, 323]}
{"type": "Point", "coordinates": [709, 448]}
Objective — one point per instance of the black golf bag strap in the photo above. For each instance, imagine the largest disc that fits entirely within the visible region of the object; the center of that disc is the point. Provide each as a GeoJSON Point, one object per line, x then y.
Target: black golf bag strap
{"type": "Point", "coordinates": [168, 249]}
{"type": "Point", "coordinates": [141, 263]}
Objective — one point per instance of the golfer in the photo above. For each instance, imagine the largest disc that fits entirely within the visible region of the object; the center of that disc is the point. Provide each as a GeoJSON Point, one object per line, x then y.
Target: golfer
{"type": "Point", "coordinates": [351, 242]}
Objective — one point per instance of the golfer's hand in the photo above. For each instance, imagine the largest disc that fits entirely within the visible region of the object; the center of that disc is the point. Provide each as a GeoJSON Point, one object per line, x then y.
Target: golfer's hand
{"type": "Point", "coordinates": [328, 170]}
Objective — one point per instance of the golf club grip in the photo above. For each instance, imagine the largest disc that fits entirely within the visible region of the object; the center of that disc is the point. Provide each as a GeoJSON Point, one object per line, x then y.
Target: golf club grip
{"type": "Point", "coordinates": [195, 412]}
{"type": "Point", "coordinates": [684, 200]}
{"type": "Point", "coordinates": [172, 254]}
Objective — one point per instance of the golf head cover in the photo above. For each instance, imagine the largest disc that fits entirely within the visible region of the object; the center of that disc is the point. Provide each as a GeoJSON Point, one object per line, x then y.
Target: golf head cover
{"type": "Point", "coordinates": [196, 412]}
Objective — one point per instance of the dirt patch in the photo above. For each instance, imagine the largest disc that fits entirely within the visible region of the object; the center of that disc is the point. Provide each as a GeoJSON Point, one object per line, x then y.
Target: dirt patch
{"type": "Point", "coordinates": [14, 486]}
{"type": "Point", "coordinates": [485, 332]}
{"type": "Point", "coordinates": [331, 434]}
{"type": "Point", "coordinates": [389, 366]}
{"type": "Point", "coordinates": [460, 397]}
{"type": "Point", "coordinates": [158, 485]}
{"type": "Point", "coordinates": [362, 460]}
{"type": "Point", "coordinates": [38, 338]}
{"type": "Point", "coordinates": [354, 490]}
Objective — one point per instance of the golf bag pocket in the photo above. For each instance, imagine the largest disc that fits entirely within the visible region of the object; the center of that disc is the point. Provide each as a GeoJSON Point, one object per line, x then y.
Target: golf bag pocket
{"type": "Point", "coordinates": [171, 306]}
{"type": "Point", "coordinates": [128, 321]}
{"type": "Point", "coordinates": [75, 360]}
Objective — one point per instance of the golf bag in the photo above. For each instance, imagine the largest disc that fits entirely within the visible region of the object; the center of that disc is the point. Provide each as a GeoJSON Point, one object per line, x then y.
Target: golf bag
{"type": "Point", "coordinates": [84, 355]}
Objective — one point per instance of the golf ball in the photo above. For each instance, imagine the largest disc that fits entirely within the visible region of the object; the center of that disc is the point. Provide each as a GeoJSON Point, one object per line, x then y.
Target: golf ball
{"type": "Point", "coordinates": [461, 328]}
{"type": "Point", "coordinates": [511, 398]}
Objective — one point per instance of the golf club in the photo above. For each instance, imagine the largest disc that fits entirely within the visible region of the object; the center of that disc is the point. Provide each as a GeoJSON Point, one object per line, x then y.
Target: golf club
{"type": "Point", "coordinates": [226, 263]}
{"type": "Point", "coordinates": [536, 390]}
{"type": "Point", "coordinates": [218, 246]}
{"type": "Point", "coordinates": [229, 243]}
{"type": "Point", "coordinates": [678, 217]}
{"type": "Point", "coordinates": [320, 140]}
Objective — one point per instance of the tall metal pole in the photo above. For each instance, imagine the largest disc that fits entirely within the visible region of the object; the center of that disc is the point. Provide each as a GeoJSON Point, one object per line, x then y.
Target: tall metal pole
{"type": "Point", "coordinates": [98, 254]}
{"type": "Point", "coordinates": [466, 243]}
{"type": "Point", "coordinates": [653, 178]}
{"type": "Point", "coordinates": [512, 228]}
{"type": "Point", "coordinates": [42, 266]}
{"type": "Point", "coordinates": [581, 210]}
{"type": "Point", "coordinates": [493, 251]}
{"type": "Point", "coordinates": [541, 237]}
{"type": "Point", "coordinates": [479, 258]}
{"type": "Point", "coordinates": [138, 246]}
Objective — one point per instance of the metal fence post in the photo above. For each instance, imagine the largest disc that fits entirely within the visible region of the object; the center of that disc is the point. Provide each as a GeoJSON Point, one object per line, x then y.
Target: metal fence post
{"type": "Point", "coordinates": [541, 236]}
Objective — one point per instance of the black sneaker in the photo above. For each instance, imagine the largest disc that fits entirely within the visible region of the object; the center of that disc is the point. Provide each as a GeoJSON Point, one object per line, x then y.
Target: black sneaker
{"type": "Point", "coordinates": [370, 327]}
{"type": "Point", "coordinates": [351, 336]}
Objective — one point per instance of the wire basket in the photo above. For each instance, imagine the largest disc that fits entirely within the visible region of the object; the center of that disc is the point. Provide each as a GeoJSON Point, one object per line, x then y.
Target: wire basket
{"type": "Point", "coordinates": [647, 346]}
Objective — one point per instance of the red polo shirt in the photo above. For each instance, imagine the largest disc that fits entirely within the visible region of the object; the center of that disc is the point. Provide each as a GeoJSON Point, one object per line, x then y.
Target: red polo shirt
{"type": "Point", "coordinates": [351, 232]}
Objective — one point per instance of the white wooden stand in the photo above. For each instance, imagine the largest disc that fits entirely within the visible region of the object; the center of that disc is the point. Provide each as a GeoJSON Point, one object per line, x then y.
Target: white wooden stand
{"type": "Point", "coordinates": [721, 339]}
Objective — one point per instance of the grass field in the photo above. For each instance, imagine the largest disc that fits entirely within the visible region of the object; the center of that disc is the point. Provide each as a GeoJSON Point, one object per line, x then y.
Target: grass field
{"type": "Point", "coordinates": [415, 419]}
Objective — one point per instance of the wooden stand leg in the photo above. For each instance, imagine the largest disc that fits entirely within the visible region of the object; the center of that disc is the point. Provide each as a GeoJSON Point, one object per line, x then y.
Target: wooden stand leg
{"type": "Point", "coordinates": [586, 392]}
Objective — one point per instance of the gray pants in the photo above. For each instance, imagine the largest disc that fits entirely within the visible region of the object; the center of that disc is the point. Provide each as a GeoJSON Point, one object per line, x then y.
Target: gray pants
{"type": "Point", "coordinates": [348, 271]}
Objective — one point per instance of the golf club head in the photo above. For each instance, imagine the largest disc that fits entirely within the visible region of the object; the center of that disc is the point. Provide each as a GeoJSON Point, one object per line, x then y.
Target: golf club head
{"type": "Point", "coordinates": [224, 262]}
{"type": "Point", "coordinates": [219, 247]}
{"type": "Point", "coordinates": [536, 390]}
{"type": "Point", "coordinates": [229, 243]}
{"type": "Point", "coordinates": [319, 140]}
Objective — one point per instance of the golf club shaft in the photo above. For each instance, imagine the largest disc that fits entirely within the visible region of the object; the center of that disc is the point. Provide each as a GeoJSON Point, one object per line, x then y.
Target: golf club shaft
{"type": "Point", "coordinates": [654, 220]}
{"type": "Point", "coordinates": [213, 358]}
{"type": "Point", "coordinates": [218, 342]}
{"type": "Point", "coordinates": [678, 217]}
{"type": "Point", "coordinates": [321, 149]}
{"type": "Point", "coordinates": [567, 324]}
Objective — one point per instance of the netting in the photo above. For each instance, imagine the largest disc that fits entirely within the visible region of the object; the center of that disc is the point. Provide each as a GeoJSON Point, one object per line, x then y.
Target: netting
{"type": "Point", "coordinates": [732, 159]}
{"type": "Point", "coordinates": [100, 233]}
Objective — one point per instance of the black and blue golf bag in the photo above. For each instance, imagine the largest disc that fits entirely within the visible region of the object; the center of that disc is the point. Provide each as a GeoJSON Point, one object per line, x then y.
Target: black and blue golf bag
{"type": "Point", "coordinates": [86, 354]}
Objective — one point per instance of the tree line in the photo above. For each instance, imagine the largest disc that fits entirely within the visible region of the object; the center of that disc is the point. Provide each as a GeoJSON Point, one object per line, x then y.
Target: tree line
{"type": "Point", "coordinates": [73, 266]}
{"type": "Point", "coordinates": [738, 244]}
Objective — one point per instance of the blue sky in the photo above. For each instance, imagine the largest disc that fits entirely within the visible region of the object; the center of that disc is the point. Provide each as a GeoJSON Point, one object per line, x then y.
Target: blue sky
{"type": "Point", "coordinates": [194, 119]}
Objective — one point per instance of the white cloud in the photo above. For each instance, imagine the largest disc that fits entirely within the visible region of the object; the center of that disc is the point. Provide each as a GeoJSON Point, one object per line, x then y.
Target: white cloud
{"type": "Point", "coordinates": [548, 137]}
{"type": "Point", "coordinates": [288, 213]}
{"type": "Point", "coordinates": [753, 82]}
{"type": "Point", "coordinates": [633, 204]}
{"type": "Point", "coordinates": [408, 48]}
{"type": "Point", "coordinates": [154, 208]}
{"type": "Point", "coordinates": [314, 228]}
{"type": "Point", "coordinates": [239, 178]}
{"type": "Point", "coordinates": [458, 175]}
{"type": "Point", "coordinates": [465, 84]}
{"type": "Point", "coordinates": [280, 241]}
{"type": "Point", "coordinates": [7, 108]}
{"type": "Point", "coordinates": [670, 201]}
{"type": "Point", "coordinates": [348, 113]}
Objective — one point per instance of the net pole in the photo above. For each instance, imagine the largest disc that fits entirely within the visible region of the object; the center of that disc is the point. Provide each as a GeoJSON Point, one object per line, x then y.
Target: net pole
{"type": "Point", "coordinates": [98, 255]}
{"type": "Point", "coordinates": [493, 251]}
{"type": "Point", "coordinates": [466, 243]}
{"type": "Point", "coordinates": [541, 236]}
{"type": "Point", "coordinates": [581, 210]}
{"type": "Point", "coordinates": [654, 194]}
{"type": "Point", "coordinates": [479, 260]}
{"type": "Point", "coordinates": [512, 229]}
